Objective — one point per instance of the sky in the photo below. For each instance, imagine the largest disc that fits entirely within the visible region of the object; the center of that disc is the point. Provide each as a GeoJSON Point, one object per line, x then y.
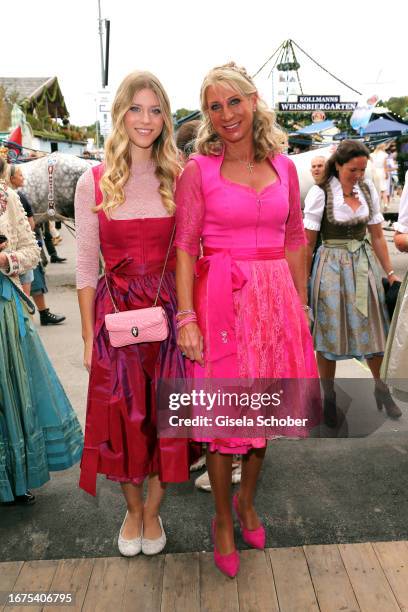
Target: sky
{"type": "Point", "coordinates": [181, 40]}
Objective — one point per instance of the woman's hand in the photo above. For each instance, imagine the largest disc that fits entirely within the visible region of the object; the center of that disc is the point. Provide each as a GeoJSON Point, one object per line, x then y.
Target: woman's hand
{"type": "Point", "coordinates": [392, 278]}
{"type": "Point", "coordinates": [88, 345]}
{"type": "Point", "coordinates": [190, 342]}
{"type": "Point", "coordinates": [380, 248]}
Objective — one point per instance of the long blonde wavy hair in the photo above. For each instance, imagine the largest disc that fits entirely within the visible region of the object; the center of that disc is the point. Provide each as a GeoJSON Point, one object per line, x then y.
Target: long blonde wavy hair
{"type": "Point", "coordinates": [118, 157]}
{"type": "Point", "coordinates": [268, 136]}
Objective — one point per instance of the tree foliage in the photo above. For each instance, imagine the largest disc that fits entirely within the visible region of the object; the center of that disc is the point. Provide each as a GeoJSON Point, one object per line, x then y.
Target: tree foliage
{"type": "Point", "coordinates": [182, 112]}
{"type": "Point", "coordinates": [399, 106]}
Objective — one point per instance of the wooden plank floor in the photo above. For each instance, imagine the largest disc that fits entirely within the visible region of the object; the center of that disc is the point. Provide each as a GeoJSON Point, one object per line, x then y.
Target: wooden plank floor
{"type": "Point", "coordinates": [367, 577]}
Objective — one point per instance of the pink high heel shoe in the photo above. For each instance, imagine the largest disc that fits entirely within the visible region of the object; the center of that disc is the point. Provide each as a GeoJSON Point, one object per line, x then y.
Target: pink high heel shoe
{"type": "Point", "coordinates": [227, 564]}
{"type": "Point", "coordinates": [254, 537]}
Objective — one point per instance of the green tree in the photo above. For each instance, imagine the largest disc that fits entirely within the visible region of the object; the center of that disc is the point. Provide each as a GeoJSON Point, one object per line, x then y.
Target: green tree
{"type": "Point", "coordinates": [399, 106]}
{"type": "Point", "coordinates": [182, 112]}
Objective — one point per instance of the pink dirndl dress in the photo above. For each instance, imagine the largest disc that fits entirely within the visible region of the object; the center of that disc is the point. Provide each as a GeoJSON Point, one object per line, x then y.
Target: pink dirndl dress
{"type": "Point", "coordinates": [248, 309]}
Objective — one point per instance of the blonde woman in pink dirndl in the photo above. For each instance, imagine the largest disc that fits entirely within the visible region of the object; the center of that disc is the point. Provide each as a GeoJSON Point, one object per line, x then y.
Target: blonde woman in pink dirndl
{"type": "Point", "coordinates": [242, 306]}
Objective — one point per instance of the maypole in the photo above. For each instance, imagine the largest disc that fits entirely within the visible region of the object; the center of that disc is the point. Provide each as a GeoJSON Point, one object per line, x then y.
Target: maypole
{"type": "Point", "coordinates": [102, 101]}
{"type": "Point", "coordinates": [100, 27]}
{"type": "Point", "coordinates": [287, 65]}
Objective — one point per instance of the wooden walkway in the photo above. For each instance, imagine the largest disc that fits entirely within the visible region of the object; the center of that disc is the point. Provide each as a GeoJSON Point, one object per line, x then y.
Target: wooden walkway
{"type": "Point", "coordinates": [372, 577]}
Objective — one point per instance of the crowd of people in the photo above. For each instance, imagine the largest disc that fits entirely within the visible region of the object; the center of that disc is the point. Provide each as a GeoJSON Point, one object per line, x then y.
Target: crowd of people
{"type": "Point", "coordinates": [34, 281]}
{"type": "Point", "coordinates": [213, 233]}
{"type": "Point", "coordinates": [385, 170]}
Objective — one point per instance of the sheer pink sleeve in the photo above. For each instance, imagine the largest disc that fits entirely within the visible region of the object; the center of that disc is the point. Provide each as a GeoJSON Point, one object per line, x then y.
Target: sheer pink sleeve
{"type": "Point", "coordinates": [190, 209]}
{"type": "Point", "coordinates": [295, 233]}
{"type": "Point", "coordinates": [87, 233]}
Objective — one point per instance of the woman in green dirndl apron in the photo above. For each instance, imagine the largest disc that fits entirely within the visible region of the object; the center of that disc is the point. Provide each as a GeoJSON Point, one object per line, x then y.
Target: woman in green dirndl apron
{"type": "Point", "coordinates": [39, 431]}
{"type": "Point", "coordinates": [347, 297]}
{"type": "Point", "coordinates": [395, 365]}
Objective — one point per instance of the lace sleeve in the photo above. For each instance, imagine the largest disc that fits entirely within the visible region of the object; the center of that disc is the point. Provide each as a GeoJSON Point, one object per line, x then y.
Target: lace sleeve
{"type": "Point", "coordinates": [295, 233]}
{"type": "Point", "coordinates": [87, 233]}
{"type": "Point", "coordinates": [190, 209]}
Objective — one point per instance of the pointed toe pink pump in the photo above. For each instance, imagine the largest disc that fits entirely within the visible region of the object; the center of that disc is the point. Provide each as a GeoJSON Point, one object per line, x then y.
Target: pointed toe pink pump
{"type": "Point", "coordinates": [253, 537]}
{"type": "Point", "coordinates": [227, 564]}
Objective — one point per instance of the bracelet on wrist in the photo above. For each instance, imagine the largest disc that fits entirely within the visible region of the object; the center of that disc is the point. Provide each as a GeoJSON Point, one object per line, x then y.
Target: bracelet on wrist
{"type": "Point", "coordinates": [188, 319]}
{"type": "Point", "coordinates": [390, 273]}
{"type": "Point", "coordinates": [182, 313]}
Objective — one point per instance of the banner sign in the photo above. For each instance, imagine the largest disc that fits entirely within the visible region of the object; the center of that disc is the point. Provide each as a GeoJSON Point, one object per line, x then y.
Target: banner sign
{"type": "Point", "coordinates": [314, 103]}
{"type": "Point", "coordinates": [103, 102]}
{"type": "Point", "coordinates": [323, 99]}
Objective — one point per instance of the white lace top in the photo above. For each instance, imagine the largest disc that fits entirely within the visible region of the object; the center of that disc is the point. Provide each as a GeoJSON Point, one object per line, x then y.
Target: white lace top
{"type": "Point", "coordinates": [402, 224]}
{"type": "Point", "coordinates": [315, 203]}
{"type": "Point", "coordinates": [22, 251]}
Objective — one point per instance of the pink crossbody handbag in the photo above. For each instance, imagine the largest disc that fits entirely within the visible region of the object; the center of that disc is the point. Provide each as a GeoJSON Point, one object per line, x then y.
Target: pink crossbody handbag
{"type": "Point", "coordinates": [141, 325]}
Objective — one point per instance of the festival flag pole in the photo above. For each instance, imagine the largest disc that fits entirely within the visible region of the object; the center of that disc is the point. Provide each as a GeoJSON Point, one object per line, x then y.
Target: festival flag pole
{"type": "Point", "coordinates": [101, 43]}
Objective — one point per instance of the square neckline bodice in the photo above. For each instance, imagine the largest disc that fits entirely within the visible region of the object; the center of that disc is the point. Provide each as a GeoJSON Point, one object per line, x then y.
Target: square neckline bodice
{"type": "Point", "coordinates": [224, 179]}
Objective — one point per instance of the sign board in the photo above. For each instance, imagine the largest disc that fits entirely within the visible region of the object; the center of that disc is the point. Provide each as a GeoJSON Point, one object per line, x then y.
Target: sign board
{"type": "Point", "coordinates": [103, 108]}
{"type": "Point", "coordinates": [323, 99]}
{"type": "Point", "coordinates": [306, 103]}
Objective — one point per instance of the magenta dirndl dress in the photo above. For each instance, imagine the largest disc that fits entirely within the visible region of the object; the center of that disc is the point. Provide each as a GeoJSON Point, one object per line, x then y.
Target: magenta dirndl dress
{"type": "Point", "coordinates": [248, 309]}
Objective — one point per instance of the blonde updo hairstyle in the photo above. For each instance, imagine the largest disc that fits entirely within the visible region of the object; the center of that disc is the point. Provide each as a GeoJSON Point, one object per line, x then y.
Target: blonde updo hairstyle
{"type": "Point", "coordinates": [118, 157]}
{"type": "Point", "coordinates": [268, 136]}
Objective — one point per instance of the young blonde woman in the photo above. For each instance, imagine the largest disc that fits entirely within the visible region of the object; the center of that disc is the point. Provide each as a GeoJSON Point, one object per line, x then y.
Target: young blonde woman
{"type": "Point", "coordinates": [239, 197]}
{"type": "Point", "coordinates": [125, 209]}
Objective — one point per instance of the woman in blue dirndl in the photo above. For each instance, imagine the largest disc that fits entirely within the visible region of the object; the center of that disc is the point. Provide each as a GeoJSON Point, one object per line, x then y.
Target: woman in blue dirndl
{"type": "Point", "coordinates": [39, 431]}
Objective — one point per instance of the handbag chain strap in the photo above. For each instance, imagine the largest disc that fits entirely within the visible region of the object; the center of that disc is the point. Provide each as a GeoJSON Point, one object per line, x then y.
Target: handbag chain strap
{"type": "Point", "coordinates": [165, 265]}
{"type": "Point", "coordinates": [110, 295]}
{"type": "Point", "coordinates": [161, 277]}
